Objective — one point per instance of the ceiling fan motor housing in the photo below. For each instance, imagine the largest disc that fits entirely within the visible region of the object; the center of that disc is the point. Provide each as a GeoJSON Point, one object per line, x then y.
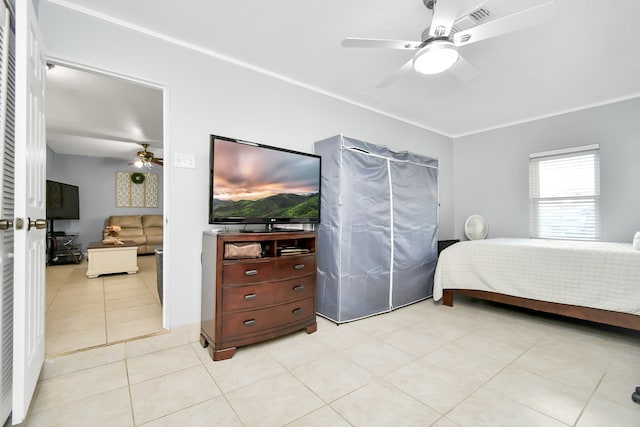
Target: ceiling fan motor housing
{"type": "Point", "coordinates": [436, 56]}
{"type": "Point", "coordinates": [146, 158]}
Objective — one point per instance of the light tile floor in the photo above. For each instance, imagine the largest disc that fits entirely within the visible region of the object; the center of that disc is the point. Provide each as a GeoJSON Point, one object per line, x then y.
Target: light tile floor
{"type": "Point", "coordinates": [83, 313]}
{"type": "Point", "coordinates": [476, 364]}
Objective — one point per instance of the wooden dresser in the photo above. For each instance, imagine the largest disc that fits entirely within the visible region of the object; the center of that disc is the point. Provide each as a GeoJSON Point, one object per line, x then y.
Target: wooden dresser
{"type": "Point", "coordinates": [249, 300]}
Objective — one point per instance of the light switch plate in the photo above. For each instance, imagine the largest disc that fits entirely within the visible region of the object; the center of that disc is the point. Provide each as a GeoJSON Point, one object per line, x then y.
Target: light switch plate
{"type": "Point", "coordinates": [184, 160]}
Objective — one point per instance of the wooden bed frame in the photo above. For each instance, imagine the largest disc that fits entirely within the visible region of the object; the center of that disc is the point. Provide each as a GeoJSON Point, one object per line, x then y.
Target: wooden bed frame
{"type": "Point", "coordinates": [613, 318]}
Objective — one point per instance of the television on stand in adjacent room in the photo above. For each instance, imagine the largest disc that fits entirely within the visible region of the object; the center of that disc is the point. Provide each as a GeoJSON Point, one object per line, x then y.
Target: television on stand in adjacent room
{"type": "Point", "coordinates": [253, 183]}
{"type": "Point", "coordinates": [62, 202]}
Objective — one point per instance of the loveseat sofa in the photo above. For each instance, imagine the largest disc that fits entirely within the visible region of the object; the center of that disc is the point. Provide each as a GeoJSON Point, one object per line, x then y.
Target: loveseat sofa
{"type": "Point", "coordinates": [144, 230]}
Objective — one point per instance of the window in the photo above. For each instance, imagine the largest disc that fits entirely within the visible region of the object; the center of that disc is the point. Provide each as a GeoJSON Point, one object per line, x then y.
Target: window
{"type": "Point", "coordinates": [564, 193]}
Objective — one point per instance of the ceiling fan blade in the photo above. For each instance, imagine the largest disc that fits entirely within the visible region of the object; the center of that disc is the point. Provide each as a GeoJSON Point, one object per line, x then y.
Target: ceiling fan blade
{"type": "Point", "coordinates": [517, 21]}
{"type": "Point", "coordinates": [463, 70]}
{"type": "Point", "coordinates": [445, 13]}
{"type": "Point", "coordinates": [407, 67]}
{"type": "Point", "coordinates": [158, 162]}
{"type": "Point", "coordinates": [381, 43]}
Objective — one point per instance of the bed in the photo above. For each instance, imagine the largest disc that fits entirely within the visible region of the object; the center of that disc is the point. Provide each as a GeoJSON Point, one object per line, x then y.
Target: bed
{"type": "Point", "coordinates": [595, 281]}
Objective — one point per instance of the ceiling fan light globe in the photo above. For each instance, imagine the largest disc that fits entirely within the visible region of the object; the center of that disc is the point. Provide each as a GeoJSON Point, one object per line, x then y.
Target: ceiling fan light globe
{"type": "Point", "coordinates": [436, 57]}
{"type": "Point", "coordinates": [138, 163]}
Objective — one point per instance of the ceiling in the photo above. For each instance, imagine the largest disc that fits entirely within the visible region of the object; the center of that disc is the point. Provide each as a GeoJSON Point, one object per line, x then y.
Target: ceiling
{"type": "Point", "coordinates": [585, 56]}
{"type": "Point", "coordinates": [99, 115]}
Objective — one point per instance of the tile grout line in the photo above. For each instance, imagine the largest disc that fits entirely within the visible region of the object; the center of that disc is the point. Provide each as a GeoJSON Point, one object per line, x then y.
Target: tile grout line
{"type": "Point", "coordinates": [103, 283]}
{"type": "Point", "coordinates": [126, 371]}
{"type": "Point", "coordinates": [200, 363]}
{"type": "Point", "coordinates": [54, 296]}
{"type": "Point", "coordinates": [372, 375]}
{"type": "Point", "coordinates": [489, 379]}
{"type": "Point", "coordinates": [595, 389]}
{"type": "Point", "coordinates": [287, 370]}
{"type": "Point", "coordinates": [222, 393]}
{"type": "Point", "coordinates": [540, 376]}
{"type": "Point", "coordinates": [104, 308]}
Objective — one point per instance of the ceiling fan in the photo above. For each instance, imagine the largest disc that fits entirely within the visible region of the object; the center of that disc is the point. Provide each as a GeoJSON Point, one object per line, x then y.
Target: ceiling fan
{"type": "Point", "coordinates": [439, 50]}
{"type": "Point", "coordinates": [145, 158]}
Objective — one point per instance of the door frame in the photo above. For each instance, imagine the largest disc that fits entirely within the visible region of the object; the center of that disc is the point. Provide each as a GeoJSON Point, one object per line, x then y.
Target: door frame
{"type": "Point", "coordinates": [166, 303]}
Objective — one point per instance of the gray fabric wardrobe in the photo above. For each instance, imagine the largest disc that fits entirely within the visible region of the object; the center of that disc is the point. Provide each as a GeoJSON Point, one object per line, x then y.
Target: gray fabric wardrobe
{"type": "Point", "coordinates": [377, 240]}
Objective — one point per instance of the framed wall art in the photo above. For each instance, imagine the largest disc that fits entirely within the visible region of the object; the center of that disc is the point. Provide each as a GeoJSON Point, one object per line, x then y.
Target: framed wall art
{"type": "Point", "coordinates": [136, 190]}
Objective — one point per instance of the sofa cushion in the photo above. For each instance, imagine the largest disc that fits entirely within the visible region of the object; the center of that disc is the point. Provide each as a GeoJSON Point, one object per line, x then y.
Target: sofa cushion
{"type": "Point", "coordinates": [126, 221]}
{"type": "Point", "coordinates": [153, 231]}
{"type": "Point", "coordinates": [153, 241]}
{"type": "Point", "coordinates": [152, 221]}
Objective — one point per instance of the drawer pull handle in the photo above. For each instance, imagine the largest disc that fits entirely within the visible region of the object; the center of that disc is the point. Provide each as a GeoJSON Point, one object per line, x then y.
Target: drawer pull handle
{"type": "Point", "coordinates": [298, 266]}
{"type": "Point", "coordinates": [250, 297]}
{"type": "Point", "coordinates": [251, 272]}
{"type": "Point", "coordinates": [298, 288]}
{"type": "Point", "coordinates": [249, 322]}
{"type": "Point", "coordinates": [297, 311]}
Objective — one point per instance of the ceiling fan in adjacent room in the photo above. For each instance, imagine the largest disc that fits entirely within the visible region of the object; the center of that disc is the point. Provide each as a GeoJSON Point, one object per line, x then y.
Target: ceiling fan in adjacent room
{"type": "Point", "coordinates": [146, 158]}
{"type": "Point", "coordinates": [450, 30]}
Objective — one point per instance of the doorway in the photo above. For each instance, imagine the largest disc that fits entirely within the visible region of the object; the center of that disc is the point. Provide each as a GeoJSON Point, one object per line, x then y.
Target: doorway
{"type": "Point", "coordinates": [97, 124]}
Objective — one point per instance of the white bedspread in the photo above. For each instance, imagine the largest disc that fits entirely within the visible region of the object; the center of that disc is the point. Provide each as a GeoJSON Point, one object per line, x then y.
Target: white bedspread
{"type": "Point", "coordinates": [591, 274]}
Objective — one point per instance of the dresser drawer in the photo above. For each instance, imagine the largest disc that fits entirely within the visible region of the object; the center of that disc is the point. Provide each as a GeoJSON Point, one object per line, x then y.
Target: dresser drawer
{"type": "Point", "coordinates": [294, 265]}
{"type": "Point", "coordinates": [240, 272]}
{"type": "Point", "coordinates": [262, 294]}
{"type": "Point", "coordinates": [240, 323]}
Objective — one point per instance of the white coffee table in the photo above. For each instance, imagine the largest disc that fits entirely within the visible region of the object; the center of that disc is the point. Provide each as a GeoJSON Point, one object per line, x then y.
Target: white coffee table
{"type": "Point", "coordinates": [106, 259]}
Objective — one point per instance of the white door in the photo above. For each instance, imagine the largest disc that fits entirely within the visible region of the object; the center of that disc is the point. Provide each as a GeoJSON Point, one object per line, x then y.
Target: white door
{"type": "Point", "coordinates": [7, 147]}
{"type": "Point", "coordinates": [30, 209]}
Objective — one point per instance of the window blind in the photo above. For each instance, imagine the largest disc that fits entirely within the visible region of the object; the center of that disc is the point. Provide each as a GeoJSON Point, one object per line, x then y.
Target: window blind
{"type": "Point", "coordinates": [564, 194]}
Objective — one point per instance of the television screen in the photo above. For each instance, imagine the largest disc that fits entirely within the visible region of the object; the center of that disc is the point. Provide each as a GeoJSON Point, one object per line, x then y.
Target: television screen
{"type": "Point", "coordinates": [62, 201]}
{"type": "Point", "coordinates": [257, 184]}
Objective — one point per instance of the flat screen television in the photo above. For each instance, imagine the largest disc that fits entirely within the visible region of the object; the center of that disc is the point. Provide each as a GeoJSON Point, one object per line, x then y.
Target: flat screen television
{"type": "Point", "coordinates": [253, 183]}
{"type": "Point", "coordinates": [62, 201]}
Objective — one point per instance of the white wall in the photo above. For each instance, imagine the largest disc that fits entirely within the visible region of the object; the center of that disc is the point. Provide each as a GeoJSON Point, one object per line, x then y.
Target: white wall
{"type": "Point", "coordinates": [96, 181]}
{"type": "Point", "coordinates": [206, 95]}
{"type": "Point", "coordinates": [492, 176]}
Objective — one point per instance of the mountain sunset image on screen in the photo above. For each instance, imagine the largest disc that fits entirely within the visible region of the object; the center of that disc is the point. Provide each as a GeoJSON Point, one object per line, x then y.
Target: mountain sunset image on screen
{"type": "Point", "coordinates": [261, 182]}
